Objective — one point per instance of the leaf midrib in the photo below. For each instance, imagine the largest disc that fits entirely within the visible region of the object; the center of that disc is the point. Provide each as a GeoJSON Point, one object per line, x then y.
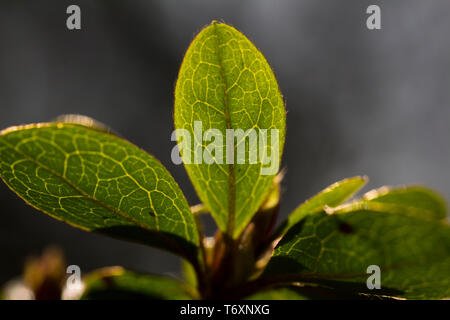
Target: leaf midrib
{"type": "Point", "coordinates": [231, 176]}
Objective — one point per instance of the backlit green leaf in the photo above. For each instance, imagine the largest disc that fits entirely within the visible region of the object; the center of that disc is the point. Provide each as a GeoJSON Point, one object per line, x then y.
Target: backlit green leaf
{"type": "Point", "coordinates": [226, 83]}
{"type": "Point", "coordinates": [115, 283]}
{"type": "Point", "coordinates": [97, 182]}
{"type": "Point", "coordinates": [332, 196]}
{"type": "Point", "coordinates": [412, 251]}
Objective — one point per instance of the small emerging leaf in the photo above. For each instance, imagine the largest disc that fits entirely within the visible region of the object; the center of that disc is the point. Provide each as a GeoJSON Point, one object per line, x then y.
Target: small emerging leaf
{"type": "Point", "coordinates": [97, 182]}
{"type": "Point", "coordinates": [332, 196]}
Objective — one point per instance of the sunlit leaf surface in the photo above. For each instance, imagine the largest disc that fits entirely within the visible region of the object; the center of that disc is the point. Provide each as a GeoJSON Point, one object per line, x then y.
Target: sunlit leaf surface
{"type": "Point", "coordinates": [226, 83]}
{"type": "Point", "coordinates": [97, 182]}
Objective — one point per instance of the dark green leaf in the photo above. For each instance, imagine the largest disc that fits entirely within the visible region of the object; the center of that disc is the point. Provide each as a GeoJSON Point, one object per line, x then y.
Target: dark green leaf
{"type": "Point", "coordinates": [335, 250]}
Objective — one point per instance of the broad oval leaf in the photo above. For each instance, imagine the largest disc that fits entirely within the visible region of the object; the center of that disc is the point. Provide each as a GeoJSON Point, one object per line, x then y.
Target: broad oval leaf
{"type": "Point", "coordinates": [116, 283]}
{"type": "Point", "coordinates": [412, 251]}
{"type": "Point", "coordinates": [226, 83]}
{"type": "Point", "coordinates": [97, 182]}
{"type": "Point", "coordinates": [332, 196]}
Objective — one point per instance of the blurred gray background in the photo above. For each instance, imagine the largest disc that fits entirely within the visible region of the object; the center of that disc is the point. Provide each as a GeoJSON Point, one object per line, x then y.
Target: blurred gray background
{"type": "Point", "coordinates": [358, 101]}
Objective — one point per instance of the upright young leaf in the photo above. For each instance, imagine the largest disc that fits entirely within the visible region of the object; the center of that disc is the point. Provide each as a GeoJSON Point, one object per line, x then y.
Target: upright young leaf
{"type": "Point", "coordinates": [332, 196]}
{"type": "Point", "coordinates": [411, 250]}
{"type": "Point", "coordinates": [97, 182]}
{"type": "Point", "coordinates": [226, 83]}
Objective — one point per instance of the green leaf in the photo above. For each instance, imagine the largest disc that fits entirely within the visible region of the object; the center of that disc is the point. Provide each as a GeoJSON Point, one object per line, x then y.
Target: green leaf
{"type": "Point", "coordinates": [422, 199]}
{"type": "Point", "coordinates": [332, 196]}
{"type": "Point", "coordinates": [226, 83]}
{"type": "Point", "coordinates": [115, 283]}
{"type": "Point", "coordinates": [335, 250]}
{"type": "Point", "coordinates": [97, 182]}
